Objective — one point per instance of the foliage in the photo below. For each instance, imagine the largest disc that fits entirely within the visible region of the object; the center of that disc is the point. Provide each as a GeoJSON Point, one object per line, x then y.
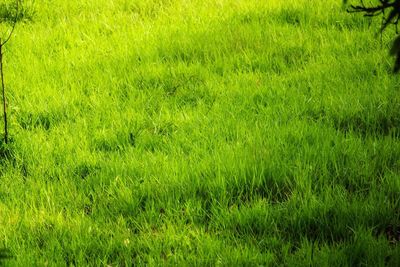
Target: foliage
{"type": "Point", "coordinates": [10, 12]}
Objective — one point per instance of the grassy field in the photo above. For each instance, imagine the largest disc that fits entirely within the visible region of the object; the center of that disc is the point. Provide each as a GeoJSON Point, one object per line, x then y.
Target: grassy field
{"type": "Point", "coordinates": [200, 133]}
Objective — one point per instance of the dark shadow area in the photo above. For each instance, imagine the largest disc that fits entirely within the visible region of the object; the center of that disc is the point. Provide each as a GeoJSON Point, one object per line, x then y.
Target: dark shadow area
{"type": "Point", "coordinates": [391, 232]}
{"type": "Point", "coordinates": [42, 119]}
{"type": "Point", "coordinates": [84, 170]}
{"type": "Point", "coordinates": [274, 187]}
{"type": "Point", "coordinates": [30, 121]}
{"type": "Point", "coordinates": [379, 125]}
{"type": "Point", "coordinates": [117, 142]}
{"type": "Point", "coordinates": [6, 150]}
{"type": "Point", "coordinates": [298, 18]}
{"type": "Point", "coordinates": [365, 124]}
{"type": "Point", "coordinates": [5, 254]}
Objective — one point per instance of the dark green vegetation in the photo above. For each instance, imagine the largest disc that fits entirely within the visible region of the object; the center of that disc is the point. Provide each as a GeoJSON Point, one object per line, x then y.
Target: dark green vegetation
{"type": "Point", "coordinates": [389, 10]}
{"type": "Point", "coordinates": [173, 132]}
{"type": "Point", "coordinates": [17, 10]}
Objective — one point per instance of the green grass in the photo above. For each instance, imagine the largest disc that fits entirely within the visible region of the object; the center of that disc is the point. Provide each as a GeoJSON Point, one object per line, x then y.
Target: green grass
{"type": "Point", "coordinates": [199, 133]}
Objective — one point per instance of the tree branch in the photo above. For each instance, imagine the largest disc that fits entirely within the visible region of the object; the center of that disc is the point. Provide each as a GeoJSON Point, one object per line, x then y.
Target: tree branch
{"type": "Point", "coordinates": [391, 17]}
{"type": "Point", "coordinates": [372, 11]}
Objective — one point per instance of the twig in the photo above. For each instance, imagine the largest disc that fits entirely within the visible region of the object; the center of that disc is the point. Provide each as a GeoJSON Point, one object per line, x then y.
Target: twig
{"type": "Point", "coordinates": [390, 17]}
{"type": "Point", "coordinates": [14, 23]}
{"type": "Point", "coordinates": [2, 43]}
{"type": "Point", "coordinates": [4, 95]}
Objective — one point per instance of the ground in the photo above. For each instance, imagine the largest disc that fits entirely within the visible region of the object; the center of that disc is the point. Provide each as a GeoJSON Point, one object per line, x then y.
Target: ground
{"type": "Point", "coordinates": [200, 133]}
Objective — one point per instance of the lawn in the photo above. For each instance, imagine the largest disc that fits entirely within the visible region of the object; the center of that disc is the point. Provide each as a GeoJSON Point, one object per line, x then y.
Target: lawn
{"type": "Point", "coordinates": [199, 133]}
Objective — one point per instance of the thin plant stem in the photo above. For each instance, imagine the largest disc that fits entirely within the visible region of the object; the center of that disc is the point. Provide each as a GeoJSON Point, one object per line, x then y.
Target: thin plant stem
{"type": "Point", "coordinates": [4, 95]}
{"type": "Point", "coordinates": [2, 43]}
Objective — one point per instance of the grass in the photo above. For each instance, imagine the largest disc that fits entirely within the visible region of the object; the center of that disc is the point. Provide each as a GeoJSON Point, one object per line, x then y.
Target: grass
{"type": "Point", "coordinates": [199, 133]}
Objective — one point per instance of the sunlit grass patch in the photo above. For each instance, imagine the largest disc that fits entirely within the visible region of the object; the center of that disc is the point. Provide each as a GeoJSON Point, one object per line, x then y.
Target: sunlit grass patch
{"type": "Point", "coordinates": [172, 132]}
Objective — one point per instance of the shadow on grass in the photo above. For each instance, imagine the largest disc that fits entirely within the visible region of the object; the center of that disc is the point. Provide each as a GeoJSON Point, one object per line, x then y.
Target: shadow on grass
{"type": "Point", "coordinates": [5, 254]}
{"type": "Point", "coordinates": [372, 123]}
{"type": "Point", "coordinates": [380, 125]}
{"type": "Point", "coordinates": [6, 150]}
